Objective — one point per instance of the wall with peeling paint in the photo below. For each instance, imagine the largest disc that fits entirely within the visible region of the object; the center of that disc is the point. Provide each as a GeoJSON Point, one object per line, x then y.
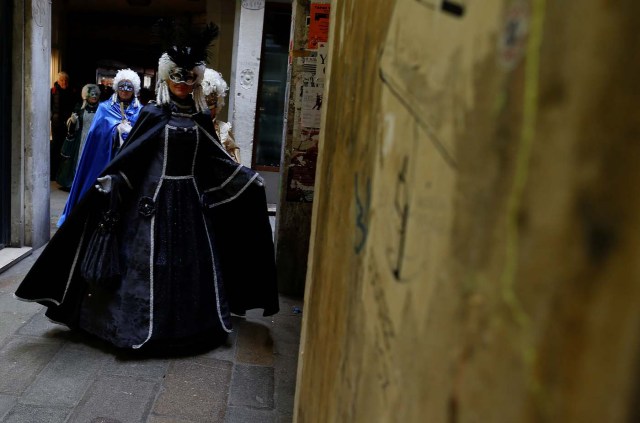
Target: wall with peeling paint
{"type": "Point", "coordinates": [474, 238]}
{"type": "Point", "coordinates": [299, 151]}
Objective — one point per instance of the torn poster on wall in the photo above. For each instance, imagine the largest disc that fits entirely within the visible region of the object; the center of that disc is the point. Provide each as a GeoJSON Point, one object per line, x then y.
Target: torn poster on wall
{"type": "Point", "coordinates": [321, 62]}
{"type": "Point", "coordinates": [302, 168]}
{"type": "Point", "coordinates": [311, 106]}
{"type": "Point", "coordinates": [318, 24]}
{"type": "Point", "coordinates": [308, 98]}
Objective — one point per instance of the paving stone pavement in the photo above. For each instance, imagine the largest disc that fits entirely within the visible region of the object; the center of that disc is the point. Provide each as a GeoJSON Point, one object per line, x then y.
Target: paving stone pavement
{"type": "Point", "coordinates": [49, 374]}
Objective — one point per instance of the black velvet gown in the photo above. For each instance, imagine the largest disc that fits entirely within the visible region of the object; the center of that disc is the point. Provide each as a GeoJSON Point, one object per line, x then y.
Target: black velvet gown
{"type": "Point", "coordinates": [182, 267]}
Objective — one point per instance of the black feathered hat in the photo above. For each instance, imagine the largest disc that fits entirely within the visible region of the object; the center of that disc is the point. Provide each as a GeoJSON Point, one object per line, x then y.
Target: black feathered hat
{"type": "Point", "coordinates": [185, 47]}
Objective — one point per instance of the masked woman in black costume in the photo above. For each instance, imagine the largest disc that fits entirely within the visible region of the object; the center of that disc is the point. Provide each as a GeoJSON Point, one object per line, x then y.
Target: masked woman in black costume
{"type": "Point", "coordinates": [147, 260]}
{"type": "Point", "coordinates": [78, 128]}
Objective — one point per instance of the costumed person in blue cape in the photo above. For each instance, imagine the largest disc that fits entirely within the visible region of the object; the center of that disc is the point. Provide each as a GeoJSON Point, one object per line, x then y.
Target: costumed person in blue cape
{"type": "Point", "coordinates": [148, 259]}
{"type": "Point", "coordinates": [110, 127]}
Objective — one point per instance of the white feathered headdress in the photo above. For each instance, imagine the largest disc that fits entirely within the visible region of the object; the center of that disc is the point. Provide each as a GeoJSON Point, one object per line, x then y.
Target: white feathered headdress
{"type": "Point", "coordinates": [126, 75]}
{"type": "Point", "coordinates": [214, 87]}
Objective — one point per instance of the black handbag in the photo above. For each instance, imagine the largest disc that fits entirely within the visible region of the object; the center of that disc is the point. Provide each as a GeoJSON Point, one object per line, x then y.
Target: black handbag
{"type": "Point", "coordinates": [100, 265]}
{"type": "Point", "coordinates": [69, 146]}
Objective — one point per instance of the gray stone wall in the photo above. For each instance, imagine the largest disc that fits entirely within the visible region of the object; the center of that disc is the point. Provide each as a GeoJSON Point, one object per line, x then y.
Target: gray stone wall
{"type": "Point", "coordinates": [245, 72]}
{"type": "Point", "coordinates": [30, 129]}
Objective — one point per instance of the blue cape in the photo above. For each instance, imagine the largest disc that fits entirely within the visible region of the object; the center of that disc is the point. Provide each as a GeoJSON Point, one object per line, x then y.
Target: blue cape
{"type": "Point", "coordinates": [98, 149]}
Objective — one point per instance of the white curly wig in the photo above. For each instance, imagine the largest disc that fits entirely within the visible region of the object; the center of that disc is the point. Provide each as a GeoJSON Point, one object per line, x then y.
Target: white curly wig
{"type": "Point", "coordinates": [126, 75]}
{"type": "Point", "coordinates": [214, 86]}
{"type": "Point", "coordinates": [165, 65]}
{"type": "Point", "coordinates": [85, 93]}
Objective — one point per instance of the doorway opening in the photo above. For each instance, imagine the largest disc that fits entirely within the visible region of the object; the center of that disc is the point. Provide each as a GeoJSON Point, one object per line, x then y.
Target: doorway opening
{"type": "Point", "coordinates": [272, 87]}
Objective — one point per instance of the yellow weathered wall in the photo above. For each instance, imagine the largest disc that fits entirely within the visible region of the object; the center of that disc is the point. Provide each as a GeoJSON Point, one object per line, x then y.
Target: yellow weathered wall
{"type": "Point", "coordinates": [474, 245]}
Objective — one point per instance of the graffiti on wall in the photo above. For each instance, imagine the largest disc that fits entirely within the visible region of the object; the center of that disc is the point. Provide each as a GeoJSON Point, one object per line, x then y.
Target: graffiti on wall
{"type": "Point", "coordinates": [38, 12]}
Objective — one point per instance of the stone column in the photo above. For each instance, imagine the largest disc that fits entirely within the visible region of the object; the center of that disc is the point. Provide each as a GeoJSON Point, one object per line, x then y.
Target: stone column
{"type": "Point", "coordinates": [30, 221]}
{"type": "Point", "coordinates": [245, 70]}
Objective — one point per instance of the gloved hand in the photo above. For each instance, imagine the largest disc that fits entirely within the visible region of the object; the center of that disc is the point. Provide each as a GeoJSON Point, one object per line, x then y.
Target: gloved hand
{"type": "Point", "coordinates": [72, 122]}
{"type": "Point", "coordinates": [124, 127]}
{"type": "Point", "coordinates": [104, 184]}
{"type": "Point", "coordinates": [123, 131]}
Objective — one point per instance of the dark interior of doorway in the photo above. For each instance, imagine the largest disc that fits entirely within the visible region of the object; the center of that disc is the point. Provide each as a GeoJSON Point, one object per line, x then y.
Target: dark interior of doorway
{"type": "Point", "coordinates": [113, 34]}
{"type": "Point", "coordinates": [272, 87]}
{"type": "Point", "coordinates": [107, 40]}
{"type": "Point", "coordinates": [6, 8]}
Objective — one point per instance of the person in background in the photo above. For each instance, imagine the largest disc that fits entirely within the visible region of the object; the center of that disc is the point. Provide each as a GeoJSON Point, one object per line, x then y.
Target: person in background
{"type": "Point", "coordinates": [110, 127]}
{"type": "Point", "coordinates": [215, 89]}
{"type": "Point", "coordinates": [62, 103]}
{"type": "Point", "coordinates": [77, 130]}
{"type": "Point", "coordinates": [146, 95]}
{"type": "Point", "coordinates": [106, 91]}
{"type": "Point", "coordinates": [149, 261]}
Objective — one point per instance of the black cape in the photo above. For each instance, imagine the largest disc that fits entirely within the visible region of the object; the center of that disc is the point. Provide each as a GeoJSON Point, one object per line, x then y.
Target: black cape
{"type": "Point", "coordinates": [232, 195]}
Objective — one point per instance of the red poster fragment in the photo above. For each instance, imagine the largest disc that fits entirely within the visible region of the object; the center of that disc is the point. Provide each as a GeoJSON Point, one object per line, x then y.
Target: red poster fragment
{"type": "Point", "coordinates": [319, 24]}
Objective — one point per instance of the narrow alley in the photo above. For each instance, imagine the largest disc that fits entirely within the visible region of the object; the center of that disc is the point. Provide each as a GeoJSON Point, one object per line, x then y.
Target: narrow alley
{"type": "Point", "coordinates": [49, 374]}
{"type": "Point", "coordinates": [450, 191]}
